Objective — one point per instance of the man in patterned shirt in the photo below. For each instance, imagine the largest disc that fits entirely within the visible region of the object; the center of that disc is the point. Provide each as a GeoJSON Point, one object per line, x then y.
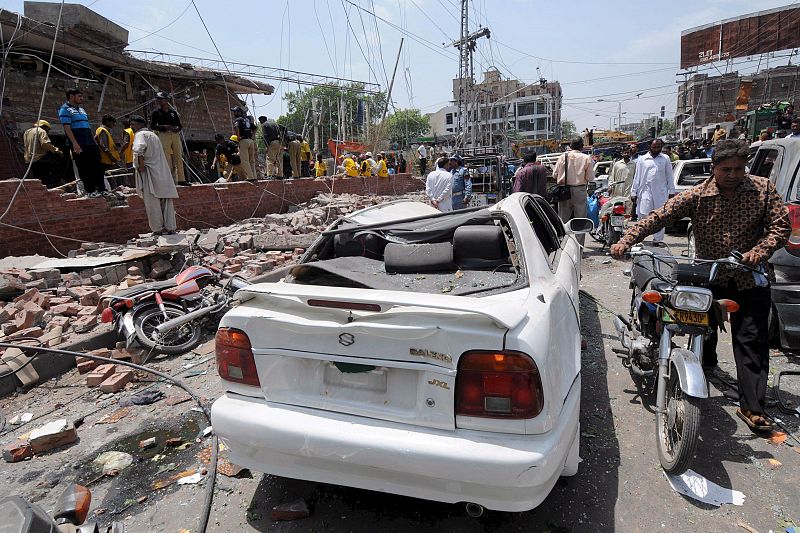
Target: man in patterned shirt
{"type": "Point", "coordinates": [732, 211]}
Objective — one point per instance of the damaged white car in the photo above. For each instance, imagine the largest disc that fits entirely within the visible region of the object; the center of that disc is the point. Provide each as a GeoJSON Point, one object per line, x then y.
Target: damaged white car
{"type": "Point", "coordinates": [433, 355]}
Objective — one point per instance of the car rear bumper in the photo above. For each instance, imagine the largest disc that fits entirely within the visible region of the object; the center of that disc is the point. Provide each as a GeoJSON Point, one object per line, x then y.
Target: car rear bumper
{"type": "Point", "coordinates": [786, 298]}
{"type": "Point", "coordinates": [502, 472]}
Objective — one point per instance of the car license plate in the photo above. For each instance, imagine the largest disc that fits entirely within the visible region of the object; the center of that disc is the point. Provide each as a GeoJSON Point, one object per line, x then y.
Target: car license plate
{"type": "Point", "coordinates": [617, 220]}
{"type": "Point", "coordinates": [686, 317]}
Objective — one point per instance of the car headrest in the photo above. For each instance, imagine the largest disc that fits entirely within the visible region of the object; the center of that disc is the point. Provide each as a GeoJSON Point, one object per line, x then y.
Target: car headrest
{"type": "Point", "coordinates": [482, 246]}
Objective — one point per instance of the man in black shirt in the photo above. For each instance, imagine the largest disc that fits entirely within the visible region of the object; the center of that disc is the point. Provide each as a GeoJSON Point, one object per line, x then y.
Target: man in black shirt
{"type": "Point", "coordinates": [243, 128]}
{"type": "Point", "coordinates": [230, 149]}
{"type": "Point", "coordinates": [167, 125]}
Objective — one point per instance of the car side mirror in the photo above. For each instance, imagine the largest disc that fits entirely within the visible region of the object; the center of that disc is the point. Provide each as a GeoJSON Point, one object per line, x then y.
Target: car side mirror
{"type": "Point", "coordinates": [580, 225]}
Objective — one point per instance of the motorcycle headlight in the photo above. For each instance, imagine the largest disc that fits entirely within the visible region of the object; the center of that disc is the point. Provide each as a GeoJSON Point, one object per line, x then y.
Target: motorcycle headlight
{"type": "Point", "coordinates": [691, 299]}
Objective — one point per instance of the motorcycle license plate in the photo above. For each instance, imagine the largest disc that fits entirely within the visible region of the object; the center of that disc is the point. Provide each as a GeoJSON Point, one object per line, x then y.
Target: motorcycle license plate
{"type": "Point", "coordinates": [692, 318]}
{"type": "Point", "coordinates": [617, 220]}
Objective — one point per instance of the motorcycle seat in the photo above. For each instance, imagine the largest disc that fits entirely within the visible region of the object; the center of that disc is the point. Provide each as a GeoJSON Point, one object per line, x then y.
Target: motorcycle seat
{"type": "Point", "coordinates": [143, 287]}
{"type": "Point", "coordinates": [644, 268]}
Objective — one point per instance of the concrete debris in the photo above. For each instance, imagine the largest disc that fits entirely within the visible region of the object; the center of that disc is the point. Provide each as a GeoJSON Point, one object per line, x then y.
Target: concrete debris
{"type": "Point", "coordinates": [52, 435]}
{"type": "Point", "coordinates": [24, 418]}
{"type": "Point", "coordinates": [147, 443]}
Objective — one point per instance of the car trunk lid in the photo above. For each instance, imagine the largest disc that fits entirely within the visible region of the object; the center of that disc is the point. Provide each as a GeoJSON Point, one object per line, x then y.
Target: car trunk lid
{"type": "Point", "coordinates": [388, 355]}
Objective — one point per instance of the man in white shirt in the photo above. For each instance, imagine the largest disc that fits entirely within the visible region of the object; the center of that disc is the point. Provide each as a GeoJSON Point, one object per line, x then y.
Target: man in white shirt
{"type": "Point", "coordinates": [653, 184]}
{"type": "Point", "coordinates": [577, 174]}
{"type": "Point", "coordinates": [423, 159]}
{"type": "Point", "coordinates": [439, 186]}
{"type": "Point", "coordinates": [795, 129]}
{"type": "Point", "coordinates": [154, 182]}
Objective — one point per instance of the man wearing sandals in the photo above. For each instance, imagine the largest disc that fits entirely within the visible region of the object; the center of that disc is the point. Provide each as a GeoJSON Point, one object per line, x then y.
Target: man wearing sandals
{"type": "Point", "coordinates": [732, 211]}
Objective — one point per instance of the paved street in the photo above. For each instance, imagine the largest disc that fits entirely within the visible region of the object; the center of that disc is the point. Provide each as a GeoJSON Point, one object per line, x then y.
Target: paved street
{"type": "Point", "coordinates": [620, 485]}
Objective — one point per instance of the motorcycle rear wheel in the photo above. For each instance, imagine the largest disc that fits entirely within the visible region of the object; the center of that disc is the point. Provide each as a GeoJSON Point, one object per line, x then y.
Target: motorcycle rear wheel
{"type": "Point", "coordinates": [677, 428]}
{"type": "Point", "coordinates": [177, 341]}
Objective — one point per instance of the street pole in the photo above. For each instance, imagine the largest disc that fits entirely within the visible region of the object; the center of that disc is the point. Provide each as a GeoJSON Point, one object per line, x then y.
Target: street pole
{"type": "Point", "coordinates": [391, 83]}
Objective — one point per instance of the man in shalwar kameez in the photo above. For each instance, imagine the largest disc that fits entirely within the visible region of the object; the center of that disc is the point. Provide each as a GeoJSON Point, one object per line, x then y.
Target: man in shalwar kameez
{"type": "Point", "coordinates": [154, 182]}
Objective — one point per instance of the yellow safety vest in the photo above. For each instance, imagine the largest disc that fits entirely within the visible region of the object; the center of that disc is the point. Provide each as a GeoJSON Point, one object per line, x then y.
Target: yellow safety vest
{"type": "Point", "coordinates": [383, 170]}
{"type": "Point", "coordinates": [320, 169]}
{"type": "Point", "coordinates": [112, 156]}
{"type": "Point", "coordinates": [350, 167]}
{"type": "Point", "coordinates": [128, 154]}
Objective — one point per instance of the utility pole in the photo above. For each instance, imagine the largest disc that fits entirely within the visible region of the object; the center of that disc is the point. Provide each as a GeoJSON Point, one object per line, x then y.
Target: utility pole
{"type": "Point", "coordinates": [391, 83]}
{"type": "Point", "coordinates": [466, 74]}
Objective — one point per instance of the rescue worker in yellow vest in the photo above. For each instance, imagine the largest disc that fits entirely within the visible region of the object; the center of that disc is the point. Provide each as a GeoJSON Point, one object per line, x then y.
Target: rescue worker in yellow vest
{"type": "Point", "coordinates": [167, 125]}
{"type": "Point", "coordinates": [305, 158]}
{"type": "Point", "coordinates": [126, 146]}
{"type": "Point", "coordinates": [320, 169]}
{"type": "Point", "coordinates": [349, 164]}
{"type": "Point", "coordinates": [109, 155]}
{"type": "Point", "coordinates": [383, 170]}
{"type": "Point", "coordinates": [43, 157]}
{"type": "Point", "coordinates": [364, 169]}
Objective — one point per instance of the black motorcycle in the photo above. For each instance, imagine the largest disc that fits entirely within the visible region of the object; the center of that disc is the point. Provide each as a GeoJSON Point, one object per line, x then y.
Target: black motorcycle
{"type": "Point", "coordinates": [672, 312]}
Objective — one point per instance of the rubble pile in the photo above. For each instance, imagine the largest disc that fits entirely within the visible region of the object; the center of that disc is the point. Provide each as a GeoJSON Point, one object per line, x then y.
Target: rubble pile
{"type": "Point", "coordinates": [54, 303]}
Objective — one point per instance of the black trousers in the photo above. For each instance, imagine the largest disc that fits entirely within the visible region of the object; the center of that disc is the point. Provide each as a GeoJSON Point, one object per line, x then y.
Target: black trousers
{"type": "Point", "coordinates": [305, 169]}
{"type": "Point", "coordinates": [49, 169]}
{"type": "Point", "coordinates": [91, 173]}
{"type": "Point", "coordinates": [750, 335]}
{"type": "Point", "coordinates": [423, 166]}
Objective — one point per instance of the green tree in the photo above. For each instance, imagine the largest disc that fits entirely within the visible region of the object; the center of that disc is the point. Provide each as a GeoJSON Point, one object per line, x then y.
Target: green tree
{"type": "Point", "coordinates": [667, 127]}
{"type": "Point", "coordinates": [404, 126]}
{"type": "Point", "coordinates": [568, 129]}
{"type": "Point", "coordinates": [331, 102]}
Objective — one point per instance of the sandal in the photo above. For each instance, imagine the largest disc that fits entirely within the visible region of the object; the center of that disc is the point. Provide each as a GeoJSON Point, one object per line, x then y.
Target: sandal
{"type": "Point", "coordinates": [754, 421]}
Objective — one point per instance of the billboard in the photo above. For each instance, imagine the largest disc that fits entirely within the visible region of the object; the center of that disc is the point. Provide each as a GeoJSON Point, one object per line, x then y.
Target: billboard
{"type": "Point", "coordinates": [753, 34]}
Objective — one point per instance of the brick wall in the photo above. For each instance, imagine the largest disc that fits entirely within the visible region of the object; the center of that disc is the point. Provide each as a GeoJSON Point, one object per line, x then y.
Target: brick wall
{"type": "Point", "coordinates": [200, 206]}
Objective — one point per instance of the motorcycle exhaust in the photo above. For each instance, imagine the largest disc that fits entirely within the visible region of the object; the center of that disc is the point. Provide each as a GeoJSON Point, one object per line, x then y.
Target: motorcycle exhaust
{"type": "Point", "coordinates": [185, 319]}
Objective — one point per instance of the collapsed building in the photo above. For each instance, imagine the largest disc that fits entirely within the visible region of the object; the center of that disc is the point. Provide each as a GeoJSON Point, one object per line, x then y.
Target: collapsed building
{"type": "Point", "coordinates": [91, 54]}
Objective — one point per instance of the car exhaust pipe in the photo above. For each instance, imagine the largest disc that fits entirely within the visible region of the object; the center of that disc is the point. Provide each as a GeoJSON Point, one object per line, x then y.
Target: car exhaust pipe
{"type": "Point", "coordinates": [622, 331]}
{"type": "Point", "coordinates": [474, 510]}
{"type": "Point", "coordinates": [185, 319]}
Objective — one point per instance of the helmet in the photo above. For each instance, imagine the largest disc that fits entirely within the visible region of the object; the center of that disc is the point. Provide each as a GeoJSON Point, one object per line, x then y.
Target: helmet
{"type": "Point", "coordinates": [237, 109]}
{"type": "Point", "coordinates": [42, 124]}
{"type": "Point", "coordinates": [368, 154]}
{"type": "Point", "coordinates": [235, 138]}
{"type": "Point", "coordinates": [163, 95]}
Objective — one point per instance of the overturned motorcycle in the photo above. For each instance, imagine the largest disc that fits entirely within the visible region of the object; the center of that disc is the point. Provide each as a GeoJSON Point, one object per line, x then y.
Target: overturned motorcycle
{"type": "Point", "coordinates": [672, 312]}
{"type": "Point", "coordinates": [167, 316]}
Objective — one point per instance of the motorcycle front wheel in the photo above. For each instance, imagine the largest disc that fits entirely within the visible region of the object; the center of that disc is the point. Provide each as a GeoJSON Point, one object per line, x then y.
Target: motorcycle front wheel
{"type": "Point", "coordinates": [677, 428]}
{"type": "Point", "coordinates": [174, 342]}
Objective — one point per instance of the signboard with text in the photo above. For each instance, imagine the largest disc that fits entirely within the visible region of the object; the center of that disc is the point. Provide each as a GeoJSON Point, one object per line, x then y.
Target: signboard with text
{"type": "Point", "coordinates": [753, 34]}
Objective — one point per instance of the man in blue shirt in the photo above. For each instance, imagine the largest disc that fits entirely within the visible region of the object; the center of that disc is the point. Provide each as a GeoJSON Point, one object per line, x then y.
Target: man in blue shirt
{"type": "Point", "coordinates": [80, 141]}
{"type": "Point", "coordinates": [462, 183]}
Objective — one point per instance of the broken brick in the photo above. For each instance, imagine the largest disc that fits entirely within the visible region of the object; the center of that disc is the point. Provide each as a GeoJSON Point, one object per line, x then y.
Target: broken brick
{"type": "Point", "coordinates": [117, 382]}
{"type": "Point", "coordinates": [87, 366]}
{"type": "Point", "coordinates": [17, 451]}
{"type": "Point", "coordinates": [100, 374]}
{"type": "Point", "coordinates": [52, 435]}
{"type": "Point", "coordinates": [84, 323]}
{"type": "Point", "coordinates": [290, 511]}
{"type": "Point", "coordinates": [70, 309]}
{"type": "Point", "coordinates": [27, 296]}
{"type": "Point", "coordinates": [28, 332]}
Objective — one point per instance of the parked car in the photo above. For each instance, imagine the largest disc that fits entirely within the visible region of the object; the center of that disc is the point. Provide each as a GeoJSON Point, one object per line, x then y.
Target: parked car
{"type": "Point", "coordinates": [690, 172]}
{"type": "Point", "coordinates": [602, 168]}
{"type": "Point", "coordinates": [427, 354]}
{"type": "Point", "coordinates": [687, 173]}
{"type": "Point", "coordinates": [779, 160]}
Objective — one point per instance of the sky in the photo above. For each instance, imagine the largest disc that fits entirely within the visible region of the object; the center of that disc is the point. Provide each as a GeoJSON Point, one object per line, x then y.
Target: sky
{"type": "Point", "coordinates": [615, 51]}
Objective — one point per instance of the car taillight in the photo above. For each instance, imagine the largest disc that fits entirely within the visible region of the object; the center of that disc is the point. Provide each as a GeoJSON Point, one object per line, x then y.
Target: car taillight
{"type": "Point", "coordinates": [107, 316]}
{"type": "Point", "coordinates": [498, 385]}
{"type": "Point", "coordinates": [618, 209]}
{"type": "Point", "coordinates": [793, 246]}
{"type": "Point", "coordinates": [235, 361]}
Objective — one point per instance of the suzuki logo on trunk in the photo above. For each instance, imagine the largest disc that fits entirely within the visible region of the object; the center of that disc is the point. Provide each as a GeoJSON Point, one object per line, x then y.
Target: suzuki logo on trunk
{"type": "Point", "coordinates": [346, 339]}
